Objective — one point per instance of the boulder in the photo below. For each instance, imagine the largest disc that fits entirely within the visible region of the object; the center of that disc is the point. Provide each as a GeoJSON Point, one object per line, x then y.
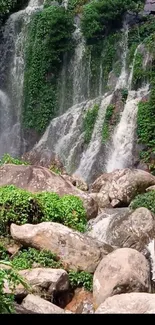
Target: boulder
{"type": "Point", "coordinates": [118, 188]}
{"type": "Point", "coordinates": [43, 280]}
{"type": "Point", "coordinates": [38, 179]}
{"type": "Point", "coordinates": [40, 306]}
{"type": "Point", "coordinates": [75, 250]}
{"type": "Point", "coordinates": [82, 302]}
{"type": "Point", "coordinates": [128, 303]}
{"type": "Point", "coordinates": [124, 270]}
{"type": "Point", "coordinates": [150, 188]}
{"type": "Point", "coordinates": [76, 181]}
{"type": "Point", "coordinates": [121, 227]}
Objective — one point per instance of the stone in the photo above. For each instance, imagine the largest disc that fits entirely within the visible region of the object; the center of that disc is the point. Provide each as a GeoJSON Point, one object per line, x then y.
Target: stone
{"type": "Point", "coordinates": [40, 306]}
{"type": "Point", "coordinates": [121, 227]}
{"type": "Point", "coordinates": [118, 188]}
{"type": "Point", "coordinates": [76, 181]}
{"type": "Point", "coordinates": [38, 179]}
{"type": "Point", "coordinates": [150, 188]}
{"type": "Point", "coordinates": [43, 280]}
{"type": "Point", "coordinates": [82, 302]}
{"type": "Point", "coordinates": [128, 303]}
{"type": "Point", "coordinates": [149, 6]}
{"type": "Point", "coordinates": [123, 270]}
{"type": "Point", "coordinates": [76, 250]}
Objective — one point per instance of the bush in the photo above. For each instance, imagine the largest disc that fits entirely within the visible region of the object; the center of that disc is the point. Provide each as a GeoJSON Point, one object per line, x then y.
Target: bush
{"type": "Point", "coordinates": [81, 279]}
{"type": "Point", "coordinates": [101, 17]}
{"type": "Point", "coordinates": [20, 207]}
{"type": "Point", "coordinates": [26, 258]}
{"type": "Point", "coordinates": [7, 159]}
{"type": "Point", "coordinates": [67, 210]}
{"type": "Point", "coordinates": [146, 200]}
{"type": "Point", "coordinates": [12, 278]}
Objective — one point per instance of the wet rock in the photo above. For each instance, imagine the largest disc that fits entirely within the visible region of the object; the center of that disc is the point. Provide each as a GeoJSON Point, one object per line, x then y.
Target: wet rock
{"type": "Point", "coordinates": [82, 302]}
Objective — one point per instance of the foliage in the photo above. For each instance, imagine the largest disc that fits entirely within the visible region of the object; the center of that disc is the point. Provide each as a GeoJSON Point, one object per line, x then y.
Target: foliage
{"type": "Point", "coordinates": [13, 279]}
{"type": "Point", "coordinates": [67, 210]}
{"type": "Point", "coordinates": [124, 94]}
{"type": "Point", "coordinates": [20, 206]}
{"type": "Point", "coordinates": [146, 200]}
{"type": "Point", "coordinates": [49, 37]}
{"type": "Point", "coordinates": [138, 72]}
{"type": "Point", "coordinates": [102, 17]}
{"type": "Point", "coordinates": [26, 258]}
{"type": "Point", "coordinates": [55, 169]}
{"type": "Point", "coordinates": [76, 6]}
{"type": "Point", "coordinates": [107, 120]}
{"type": "Point", "coordinates": [7, 159]}
{"type": "Point", "coordinates": [89, 122]}
{"type": "Point", "coordinates": [79, 279]}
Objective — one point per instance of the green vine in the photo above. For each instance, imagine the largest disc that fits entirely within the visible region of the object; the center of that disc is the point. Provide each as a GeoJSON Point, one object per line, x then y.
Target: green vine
{"type": "Point", "coordinates": [49, 37]}
{"type": "Point", "coordinates": [89, 122]}
{"type": "Point", "coordinates": [107, 122]}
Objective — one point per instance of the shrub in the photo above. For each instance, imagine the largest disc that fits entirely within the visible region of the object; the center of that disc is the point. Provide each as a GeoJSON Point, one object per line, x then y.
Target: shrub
{"type": "Point", "coordinates": [146, 200]}
{"type": "Point", "coordinates": [20, 207]}
{"type": "Point", "coordinates": [7, 159]}
{"type": "Point", "coordinates": [81, 279]}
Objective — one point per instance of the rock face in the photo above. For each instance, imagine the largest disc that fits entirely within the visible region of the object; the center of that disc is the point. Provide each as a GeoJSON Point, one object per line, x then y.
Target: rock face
{"type": "Point", "coordinates": [38, 179]}
{"type": "Point", "coordinates": [40, 306]}
{"type": "Point", "coordinates": [128, 303]}
{"type": "Point", "coordinates": [149, 6]}
{"type": "Point", "coordinates": [82, 302]}
{"type": "Point", "coordinates": [121, 186]}
{"type": "Point", "coordinates": [124, 228]}
{"type": "Point", "coordinates": [76, 250]}
{"type": "Point", "coordinates": [124, 270]}
{"type": "Point", "coordinates": [44, 279]}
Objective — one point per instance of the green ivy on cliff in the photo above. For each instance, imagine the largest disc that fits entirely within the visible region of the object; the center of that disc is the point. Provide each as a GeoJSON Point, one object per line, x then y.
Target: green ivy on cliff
{"type": "Point", "coordinates": [108, 122]}
{"type": "Point", "coordinates": [49, 37]}
{"type": "Point", "coordinates": [89, 122]}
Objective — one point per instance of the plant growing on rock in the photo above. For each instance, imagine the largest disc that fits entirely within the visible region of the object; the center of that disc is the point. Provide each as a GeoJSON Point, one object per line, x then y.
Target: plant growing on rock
{"type": "Point", "coordinates": [107, 120]}
{"type": "Point", "coordinates": [146, 200]}
{"type": "Point", "coordinates": [7, 159]}
{"type": "Point", "coordinates": [20, 207]}
{"type": "Point", "coordinates": [89, 122]}
{"type": "Point", "coordinates": [81, 279]}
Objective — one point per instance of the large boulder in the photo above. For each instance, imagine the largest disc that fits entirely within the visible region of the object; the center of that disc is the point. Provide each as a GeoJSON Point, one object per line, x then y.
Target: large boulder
{"type": "Point", "coordinates": [121, 227]}
{"type": "Point", "coordinates": [40, 306]}
{"type": "Point", "coordinates": [124, 270]}
{"type": "Point", "coordinates": [128, 303]}
{"type": "Point", "coordinates": [38, 179]}
{"type": "Point", "coordinates": [43, 280]}
{"type": "Point", "coordinates": [120, 187]}
{"type": "Point", "coordinates": [76, 250]}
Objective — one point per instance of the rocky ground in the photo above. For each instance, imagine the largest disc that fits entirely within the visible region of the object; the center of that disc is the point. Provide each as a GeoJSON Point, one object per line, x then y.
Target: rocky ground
{"type": "Point", "coordinates": [113, 249]}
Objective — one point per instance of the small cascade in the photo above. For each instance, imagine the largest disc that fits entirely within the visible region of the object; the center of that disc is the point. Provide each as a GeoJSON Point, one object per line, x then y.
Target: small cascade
{"type": "Point", "coordinates": [122, 80]}
{"type": "Point", "coordinates": [88, 156]}
{"type": "Point", "coordinates": [151, 249]}
{"type": "Point", "coordinates": [11, 78]}
{"type": "Point", "coordinates": [120, 154]}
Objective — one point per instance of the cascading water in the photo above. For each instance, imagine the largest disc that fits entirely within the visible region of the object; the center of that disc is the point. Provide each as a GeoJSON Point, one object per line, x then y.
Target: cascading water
{"type": "Point", "coordinates": [120, 154]}
{"type": "Point", "coordinates": [11, 80]}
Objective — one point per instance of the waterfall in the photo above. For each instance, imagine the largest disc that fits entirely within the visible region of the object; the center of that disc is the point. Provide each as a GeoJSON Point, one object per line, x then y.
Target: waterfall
{"type": "Point", "coordinates": [120, 154]}
{"type": "Point", "coordinates": [11, 80]}
{"type": "Point", "coordinates": [88, 156]}
{"type": "Point", "coordinates": [122, 80]}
